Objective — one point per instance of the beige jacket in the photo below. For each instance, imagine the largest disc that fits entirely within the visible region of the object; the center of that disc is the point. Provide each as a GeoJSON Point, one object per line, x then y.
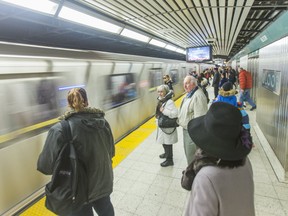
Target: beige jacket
{"type": "Point", "coordinates": [192, 108]}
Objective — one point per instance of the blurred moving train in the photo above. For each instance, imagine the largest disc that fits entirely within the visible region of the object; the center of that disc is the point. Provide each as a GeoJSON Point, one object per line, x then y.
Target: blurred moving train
{"type": "Point", "coordinates": [34, 82]}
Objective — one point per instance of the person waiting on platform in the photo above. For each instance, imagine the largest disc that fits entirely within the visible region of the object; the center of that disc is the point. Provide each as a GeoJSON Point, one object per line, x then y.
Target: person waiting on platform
{"type": "Point", "coordinates": [168, 81]}
{"type": "Point", "coordinates": [223, 79]}
{"type": "Point", "coordinates": [227, 94]}
{"type": "Point", "coordinates": [94, 143]}
{"type": "Point", "coordinates": [232, 76]}
{"type": "Point", "coordinates": [166, 136]}
{"type": "Point", "coordinates": [193, 105]}
{"type": "Point", "coordinates": [245, 83]}
{"type": "Point", "coordinates": [223, 183]}
{"type": "Point", "coordinates": [215, 81]}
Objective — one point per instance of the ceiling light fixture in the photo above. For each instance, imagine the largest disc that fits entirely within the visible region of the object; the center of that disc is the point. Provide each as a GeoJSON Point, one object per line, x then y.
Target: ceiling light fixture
{"type": "Point", "coordinates": [157, 43]}
{"type": "Point", "coordinates": [170, 47]}
{"type": "Point", "coordinates": [79, 17]}
{"type": "Point", "coordinates": [135, 35]}
{"type": "Point", "coordinates": [179, 50]}
{"type": "Point", "coordinates": [44, 6]}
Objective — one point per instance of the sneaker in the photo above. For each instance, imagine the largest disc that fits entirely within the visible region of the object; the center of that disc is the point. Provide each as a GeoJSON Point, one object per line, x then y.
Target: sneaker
{"type": "Point", "coordinates": [253, 108]}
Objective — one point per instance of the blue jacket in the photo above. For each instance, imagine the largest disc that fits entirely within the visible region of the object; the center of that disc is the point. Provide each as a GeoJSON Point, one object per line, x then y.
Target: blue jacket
{"type": "Point", "coordinates": [227, 97]}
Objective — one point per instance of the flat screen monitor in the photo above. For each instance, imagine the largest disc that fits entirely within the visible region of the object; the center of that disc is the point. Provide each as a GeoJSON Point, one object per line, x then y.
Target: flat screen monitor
{"type": "Point", "coordinates": [199, 54]}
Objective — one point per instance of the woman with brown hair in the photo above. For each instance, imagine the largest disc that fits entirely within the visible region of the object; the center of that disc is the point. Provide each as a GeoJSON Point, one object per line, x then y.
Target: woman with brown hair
{"type": "Point", "coordinates": [168, 81]}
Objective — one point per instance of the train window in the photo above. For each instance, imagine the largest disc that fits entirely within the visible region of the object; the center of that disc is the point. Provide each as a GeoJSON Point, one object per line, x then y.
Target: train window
{"type": "Point", "coordinates": [121, 88]}
{"type": "Point", "coordinates": [174, 76]}
{"type": "Point", "coordinates": [155, 78]}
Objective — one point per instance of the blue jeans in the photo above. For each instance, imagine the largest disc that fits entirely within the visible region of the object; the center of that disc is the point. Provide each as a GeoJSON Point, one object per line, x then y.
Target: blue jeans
{"type": "Point", "coordinates": [103, 207]}
{"type": "Point", "coordinates": [245, 96]}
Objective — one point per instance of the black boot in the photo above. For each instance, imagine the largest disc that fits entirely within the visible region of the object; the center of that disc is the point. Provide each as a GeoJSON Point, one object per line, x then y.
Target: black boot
{"type": "Point", "coordinates": [164, 155]}
{"type": "Point", "coordinates": [169, 159]}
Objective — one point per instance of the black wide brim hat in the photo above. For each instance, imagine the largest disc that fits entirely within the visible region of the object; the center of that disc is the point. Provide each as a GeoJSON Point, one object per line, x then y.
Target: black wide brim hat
{"type": "Point", "coordinates": [218, 132]}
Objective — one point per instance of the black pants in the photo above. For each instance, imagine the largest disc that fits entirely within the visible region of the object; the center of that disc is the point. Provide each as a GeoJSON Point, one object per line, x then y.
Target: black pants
{"type": "Point", "coordinates": [103, 207]}
{"type": "Point", "coordinates": [216, 89]}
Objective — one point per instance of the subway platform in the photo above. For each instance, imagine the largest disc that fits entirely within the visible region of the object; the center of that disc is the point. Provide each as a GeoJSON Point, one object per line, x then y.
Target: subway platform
{"type": "Point", "coordinates": [143, 188]}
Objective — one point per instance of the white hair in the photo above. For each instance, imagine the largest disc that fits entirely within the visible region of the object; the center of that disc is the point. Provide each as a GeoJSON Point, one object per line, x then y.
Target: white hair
{"type": "Point", "coordinates": [192, 79]}
{"type": "Point", "coordinates": [164, 88]}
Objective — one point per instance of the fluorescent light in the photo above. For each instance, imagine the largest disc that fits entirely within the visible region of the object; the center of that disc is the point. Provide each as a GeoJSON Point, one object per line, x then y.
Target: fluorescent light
{"type": "Point", "coordinates": [157, 43]}
{"type": "Point", "coordinates": [44, 6]}
{"type": "Point", "coordinates": [78, 17]}
{"type": "Point", "coordinates": [179, 50]}
{"type": "Point", "coordinates": [70, 87]}
{"type": "Point", "coordinates": [135, 35]}
{"type": "Point", "coordinates": [170, 47]}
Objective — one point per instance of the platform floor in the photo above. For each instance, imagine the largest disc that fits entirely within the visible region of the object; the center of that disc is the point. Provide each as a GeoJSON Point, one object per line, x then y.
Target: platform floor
{"type": "Point", "coordinates": [143, 188]}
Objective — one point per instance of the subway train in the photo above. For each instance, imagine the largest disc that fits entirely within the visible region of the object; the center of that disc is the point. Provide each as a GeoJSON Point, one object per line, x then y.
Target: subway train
{"type": "Point", "coordinates": [34, 82]}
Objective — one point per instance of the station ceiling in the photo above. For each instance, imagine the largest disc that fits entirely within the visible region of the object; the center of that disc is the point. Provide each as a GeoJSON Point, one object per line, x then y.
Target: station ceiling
{"type": "Point", "coordinates": [227, 25]}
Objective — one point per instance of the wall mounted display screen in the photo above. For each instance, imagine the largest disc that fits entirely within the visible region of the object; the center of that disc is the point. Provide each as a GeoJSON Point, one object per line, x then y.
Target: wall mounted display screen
{"type": "Point", "coordinates": [199, 54]}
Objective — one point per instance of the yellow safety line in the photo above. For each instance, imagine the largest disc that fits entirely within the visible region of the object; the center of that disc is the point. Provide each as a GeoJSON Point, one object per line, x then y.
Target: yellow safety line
{"type": "Point", "coordinates": [14, 134]}
{"type": "Point", "coordinates": [122, 149]}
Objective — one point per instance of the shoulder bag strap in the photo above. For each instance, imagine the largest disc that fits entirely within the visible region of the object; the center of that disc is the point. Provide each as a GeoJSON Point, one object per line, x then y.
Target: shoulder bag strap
{"type": "Point", "coordinates": [68, 137]}
{"type": "Point", "coordinates": [66, 130]}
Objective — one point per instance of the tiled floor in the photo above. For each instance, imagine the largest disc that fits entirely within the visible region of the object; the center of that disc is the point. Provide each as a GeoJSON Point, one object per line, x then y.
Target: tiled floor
{"type": "Point", "coordinates": [143, 188]}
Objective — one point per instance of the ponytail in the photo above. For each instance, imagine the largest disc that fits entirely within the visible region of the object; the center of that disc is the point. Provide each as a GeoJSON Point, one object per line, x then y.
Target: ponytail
{"type": "Point", "coordinates": [77, 99]}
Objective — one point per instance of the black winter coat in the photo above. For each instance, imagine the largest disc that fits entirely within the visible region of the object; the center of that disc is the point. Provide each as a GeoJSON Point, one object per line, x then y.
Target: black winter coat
{"type": "Point", "coordinates": [94, 144]}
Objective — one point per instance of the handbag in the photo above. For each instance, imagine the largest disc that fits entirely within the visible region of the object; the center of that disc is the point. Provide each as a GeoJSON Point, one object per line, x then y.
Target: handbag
{"type": "Point", "coordinates": [166, 122]}
{"type": "Point", "coordinates": [201, 160]}
{"type": "Point", "coordinates": [188, 176]}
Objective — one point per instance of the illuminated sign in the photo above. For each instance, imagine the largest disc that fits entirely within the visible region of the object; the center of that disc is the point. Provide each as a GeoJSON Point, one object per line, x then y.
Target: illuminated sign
{"type": "Point", "coordinates": [272, 80]}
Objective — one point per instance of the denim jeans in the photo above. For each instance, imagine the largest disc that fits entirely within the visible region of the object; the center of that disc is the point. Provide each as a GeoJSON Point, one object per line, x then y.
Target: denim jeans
{"type": "Point", "coordinates": [103, 207]}
{"type": "Point", "coordinates": [245, 96]}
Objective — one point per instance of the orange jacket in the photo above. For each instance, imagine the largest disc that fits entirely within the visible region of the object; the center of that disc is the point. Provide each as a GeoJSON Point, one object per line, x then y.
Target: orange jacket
{"type": "Point", "coordinates": [245, 79]}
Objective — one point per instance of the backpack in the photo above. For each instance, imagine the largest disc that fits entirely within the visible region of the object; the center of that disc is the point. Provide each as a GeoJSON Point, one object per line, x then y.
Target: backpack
{"type": "Point", "coordinates": [67, 191]}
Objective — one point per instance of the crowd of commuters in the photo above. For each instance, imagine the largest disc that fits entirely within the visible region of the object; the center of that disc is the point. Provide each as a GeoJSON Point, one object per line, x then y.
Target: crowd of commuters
{"type": "Point", "coordinates": [220, 75]}
{"type": "Point", "coordinates": [216, 142]}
